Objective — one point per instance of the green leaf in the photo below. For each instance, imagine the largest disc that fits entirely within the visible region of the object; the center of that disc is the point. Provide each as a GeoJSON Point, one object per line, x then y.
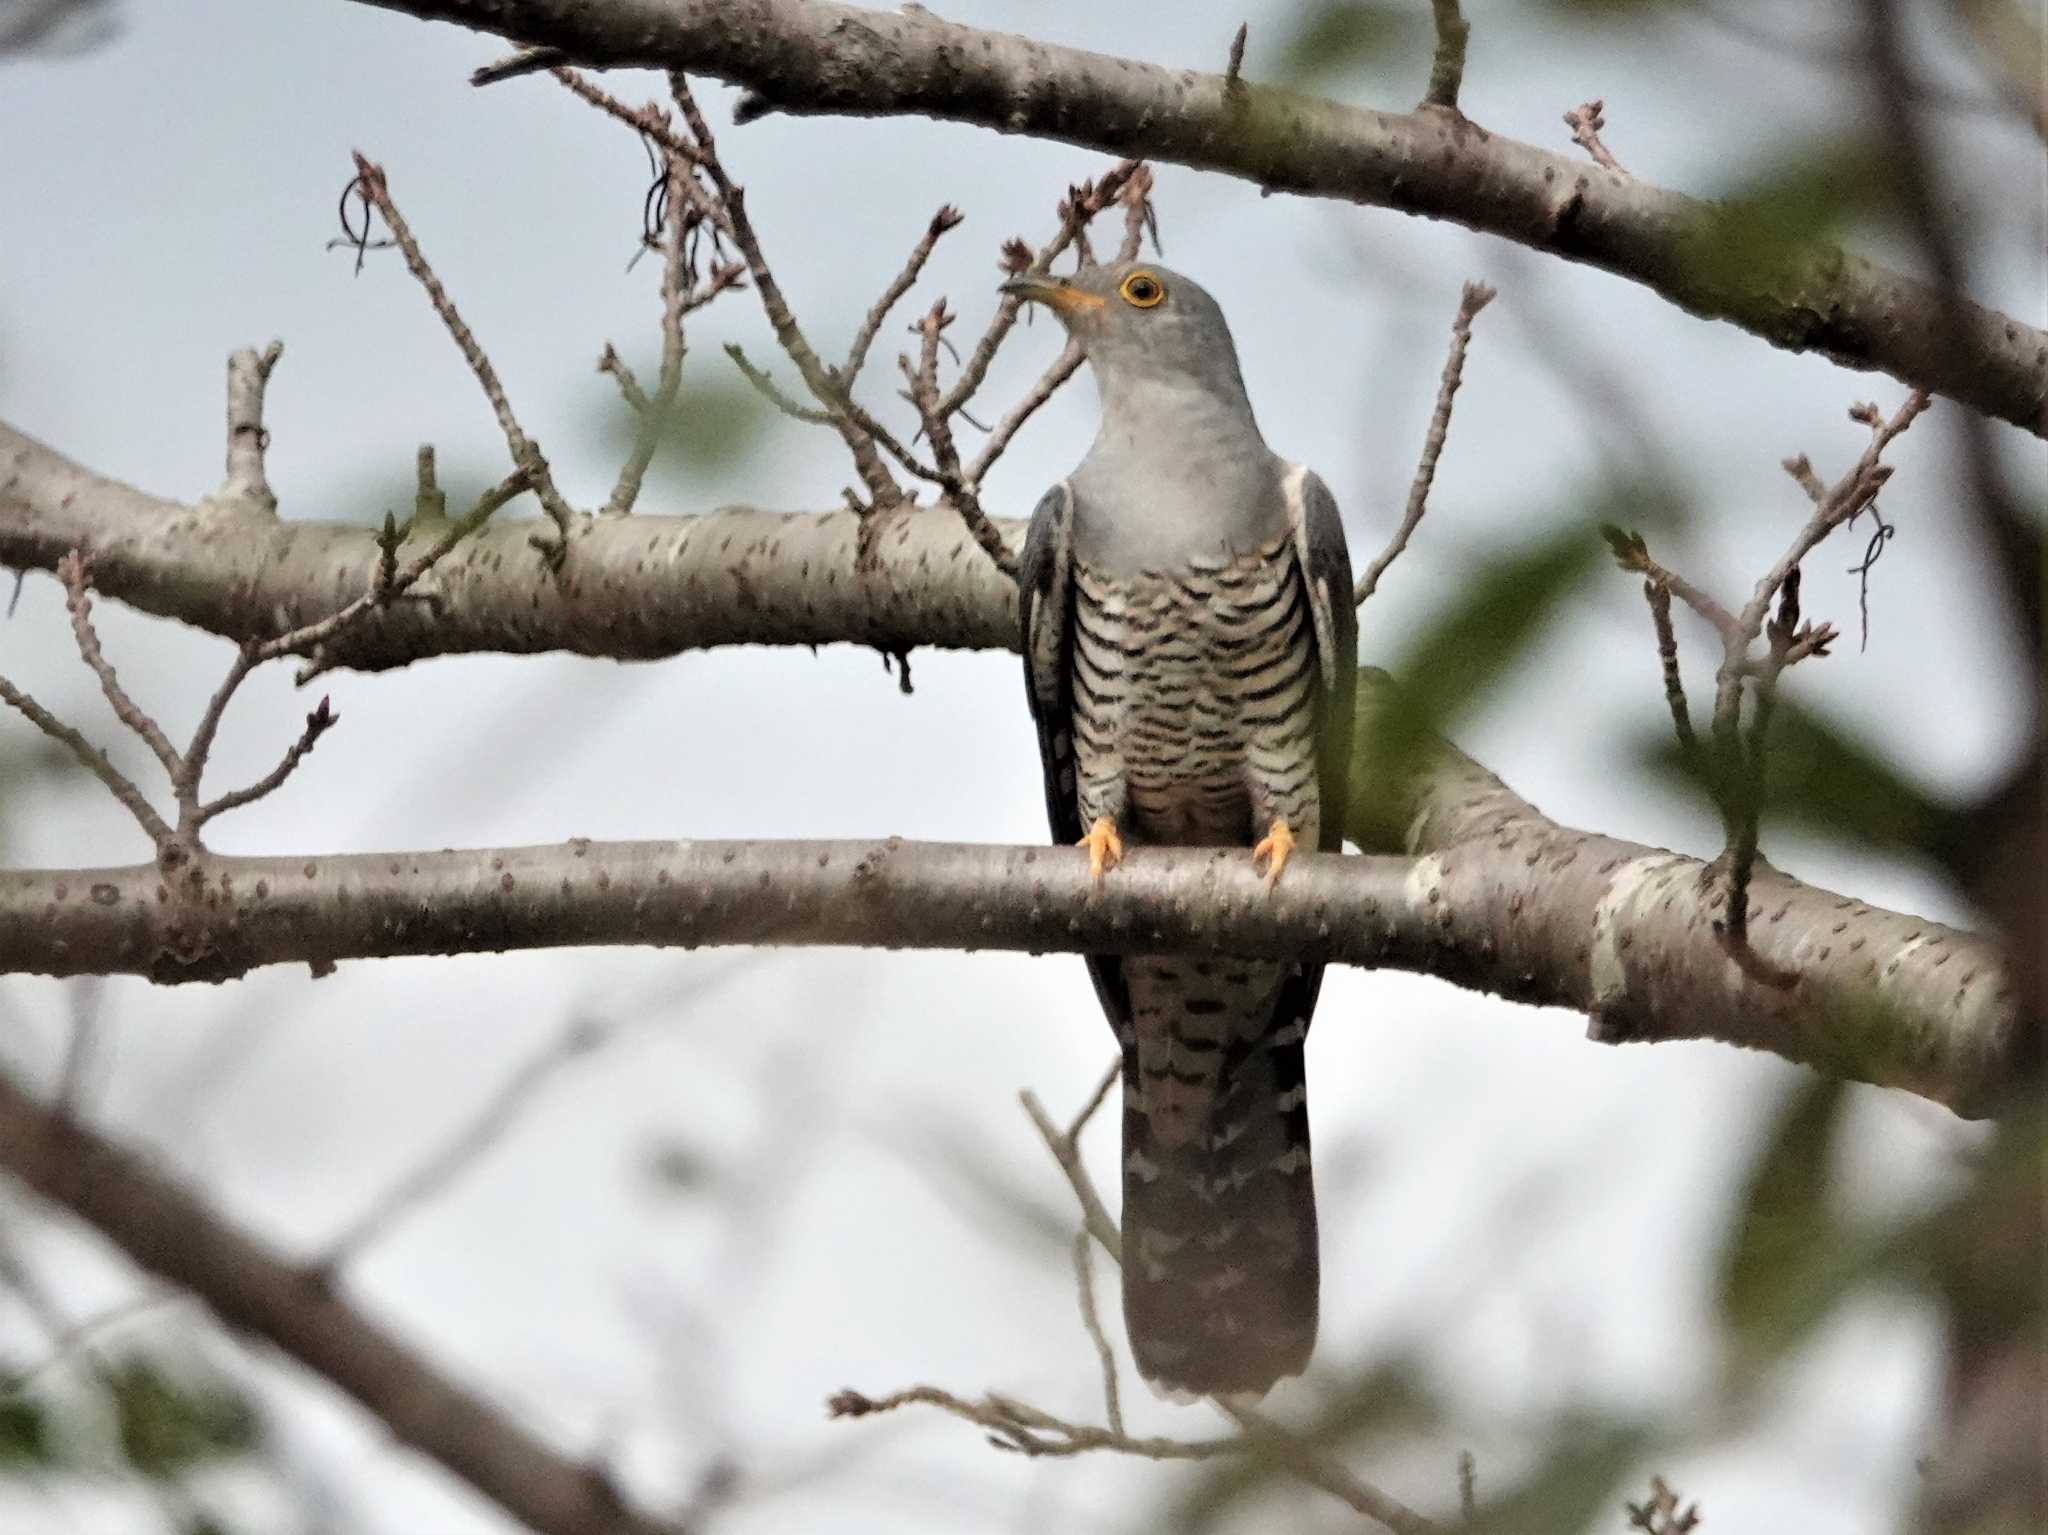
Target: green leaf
{"type": "Point", "coordinates": [24, 1433]}
{"type": "Point", "coordinates": [1379, 1403]}
{"type": "Point", "coordinates": [1573, 1488]}
{"type": "Point", "coordinates": [1823, 778]}
{"type": "Point", "coordinates": [713, 422]}
{"type": "Point", "coordinates": [166, 1424]}
{"type": "Point", "coordinates": [1770, 237]}
{"type": "Point", "coordinates": [1783, 1264]}
{"type": "Point", "coordinates": [1335, 37]}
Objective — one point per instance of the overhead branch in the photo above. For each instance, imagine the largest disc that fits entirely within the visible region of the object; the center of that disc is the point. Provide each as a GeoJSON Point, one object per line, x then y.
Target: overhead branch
{"type": "Point", "coordinates": [169, 1231]}
{"type": "Point", "coordinates": [830, 58]}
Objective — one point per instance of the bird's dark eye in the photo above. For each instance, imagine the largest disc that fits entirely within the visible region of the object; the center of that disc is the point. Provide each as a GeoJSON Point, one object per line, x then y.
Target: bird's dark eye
{"type": "Point", "coordinates": [1142, 289]}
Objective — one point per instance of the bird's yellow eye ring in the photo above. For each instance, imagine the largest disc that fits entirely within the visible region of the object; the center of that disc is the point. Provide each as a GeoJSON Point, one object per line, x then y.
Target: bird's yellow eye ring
{"type": "Point", "coordinates": [1143, 290]}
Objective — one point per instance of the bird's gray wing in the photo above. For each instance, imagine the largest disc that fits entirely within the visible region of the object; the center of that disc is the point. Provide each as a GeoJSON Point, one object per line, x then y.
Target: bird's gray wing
{"type": "Point", "coordinates": [1325, 562]}
{"type": "Point", "coordinates": [1045, 604]}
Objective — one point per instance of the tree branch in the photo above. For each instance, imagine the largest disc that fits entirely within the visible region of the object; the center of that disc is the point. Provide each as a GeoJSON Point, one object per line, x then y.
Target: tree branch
{"type": "Point", "coordinates": [169, 1231]}
{"type": "Point", "coordinates": [1497, 898]}
{"type": "Point", "coordinates": [830, 58]}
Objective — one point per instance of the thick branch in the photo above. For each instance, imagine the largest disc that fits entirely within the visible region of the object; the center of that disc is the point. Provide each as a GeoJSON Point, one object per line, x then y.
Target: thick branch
{"type": "Point", "coordinates": [824, 57]}
{"type": "Point", "coordinates": [1502, 900]}
{"type": "Point", "coordinates": [170, 1232]}
{"type": "Point", "coordinates": [640, 587]}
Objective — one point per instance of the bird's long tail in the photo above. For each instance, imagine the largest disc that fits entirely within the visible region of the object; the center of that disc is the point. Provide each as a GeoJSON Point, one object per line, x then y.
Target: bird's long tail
{"type": "Point", "coordinates": [1219, 1222]}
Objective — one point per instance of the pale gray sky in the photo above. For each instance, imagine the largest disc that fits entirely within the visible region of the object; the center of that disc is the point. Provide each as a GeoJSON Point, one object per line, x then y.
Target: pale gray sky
{"type": "Point", "coordinates": [169, 196]}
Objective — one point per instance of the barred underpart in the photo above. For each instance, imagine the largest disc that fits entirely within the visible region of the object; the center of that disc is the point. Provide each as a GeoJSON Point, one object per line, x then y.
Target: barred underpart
{"type": "Point", "coordinates": [1194, 723]}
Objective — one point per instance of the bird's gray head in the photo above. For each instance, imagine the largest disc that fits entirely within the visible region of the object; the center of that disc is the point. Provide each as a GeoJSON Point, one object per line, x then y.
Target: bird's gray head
{"type": "Point", "coordinates": [1140, 324]}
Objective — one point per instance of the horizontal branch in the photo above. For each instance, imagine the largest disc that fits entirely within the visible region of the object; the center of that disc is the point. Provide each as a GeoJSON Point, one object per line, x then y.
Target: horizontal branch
{"type": "Point", "coordinates": [1520, 908]}
{"type": "Point", "coordinates": [169, 1231]}
{"type": "Point", "coordinates": [823, 57]}
{"type": "Point", "coordinates": [631, 588]}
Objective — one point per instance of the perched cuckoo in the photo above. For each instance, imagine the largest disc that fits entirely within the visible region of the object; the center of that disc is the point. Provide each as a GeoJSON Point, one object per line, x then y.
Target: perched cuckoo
{"type": "Point", "coordinates": [1190, 650]}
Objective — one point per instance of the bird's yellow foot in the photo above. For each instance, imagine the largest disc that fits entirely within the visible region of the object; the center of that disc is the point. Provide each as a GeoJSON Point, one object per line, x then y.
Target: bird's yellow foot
{"type": "Point", "coordinates": [1278, 845]}
{"type": "Point", "coordinates": [1105, 847]}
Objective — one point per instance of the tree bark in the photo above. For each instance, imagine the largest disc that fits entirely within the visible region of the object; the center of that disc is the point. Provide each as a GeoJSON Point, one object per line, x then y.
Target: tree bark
{"type": "Point", "coordinates": [823, 57]}
{"type": "Point", "coordinates": [169, 1231]}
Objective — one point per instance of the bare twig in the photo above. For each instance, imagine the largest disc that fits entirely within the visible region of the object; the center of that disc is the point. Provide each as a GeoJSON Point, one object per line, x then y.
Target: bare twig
{"type": "Point", "coordinates": [1080, 205]}
{"type": "Point", "coordinates": [1447, 66]}
{"type": "Point", "coordinates": [463, 1149]}
{"type": "Point", "coordinates": [1477, 296]}
{"type": "Point", "coordinates": [528, 61]}
{"type": "Point", "coordinates": [1259, 1432]}
{"type": "Point", "coordinates": [1586, 121]}
{"type": "Point", "coordinates": [318, 722]}
{"type": "Point", "coordinates": [1468, 1487]}
{"type": "Point", "coordinates": [526, 453]}
{"type": "Point", "coordinates": [76, 575]}
{"type": "Point", "coordinates": [938, 428]}
{"type": "Point", "coordinates": [95, 761]}
{"type": "Point", "coordinates": [948, 217]}
{"type": "Point", "coordinates": [1015, 1426]}
{"type": "Point", "coordinates": [855, 429]}
{"type": "Point", "coordinates": [648, 120]}
{"type": "Point", "coordinates": [248, 374]}
{"type": "Point", "coordinates": [1661, 1513]}
{"type": "Point", "coordinates": [1658, 595]}
{"type": "Point", "coordinates": [772, 392]}
{"type": "Point", "coordinates": [675, 286]}
{"type": "Point", "coordinates": [1233, 69]}
{"type": "Point", "coordinates": [1084, 1284]}
{"type": "Point", "coordinates": [609, 361]}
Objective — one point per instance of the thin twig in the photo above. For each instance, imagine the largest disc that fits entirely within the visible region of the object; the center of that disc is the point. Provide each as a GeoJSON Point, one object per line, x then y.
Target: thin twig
{"type": "Point", "coordinates": [1080, 205]}
{"type": "Point", "coordinates": [772, 392]}
{"type": "Point", "coordinates": [528, 61]}
{"type": "Point", "coordinates": [948, 217]}
{"type": "Point", "coordinates": [1476, 296]}
{"type": "Point", "coordinates": [674, 300]}
{"type": "Point", "coordinates": [526, 453]}
{"type": "Point", "coordinates": [1260, 1431]}
{"type": "Point", "coordinates": [649, 120]}
{"type": "Point", "coordinates": [76, 575]}
{"type": "Point", "coordinates": [1659, 598]}
{"type": "Point", "coordinates": [318, 722]}
{"type": "Point", "coordinates": [1586, 121]}
{"type": "Point", "coordinates": [611, 362]}
{"type": "Point", "coordinates": [1468, 1487]}
{"type": "Point", "coordinates": [1447, 66]}
{"type": "Point", "coordinates": [1084, 1284]}
{"type": "Point", "coordinates": [1015, 1426]}
{"type": "Point", "coordinates": [1233, 70]}
{"type": "Point", "coordinates": [938, 429]}
{"type": "Point", "coordinates": [854, 428]}
{"type": "Point", "coordinates": [1110, 1078]}
{"type": "Point", "coordinates": [95, 761]}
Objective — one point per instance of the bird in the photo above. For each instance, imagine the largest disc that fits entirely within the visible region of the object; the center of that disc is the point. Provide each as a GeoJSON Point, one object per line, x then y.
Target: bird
{"type": "Point", "coordinates": [1190, 656]}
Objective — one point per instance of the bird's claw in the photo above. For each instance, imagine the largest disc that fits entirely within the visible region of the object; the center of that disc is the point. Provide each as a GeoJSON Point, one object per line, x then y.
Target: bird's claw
{"type": "Point", "coordinates": [1105, 847]}
{"type": "Point", "coordinates": [1278, 845]}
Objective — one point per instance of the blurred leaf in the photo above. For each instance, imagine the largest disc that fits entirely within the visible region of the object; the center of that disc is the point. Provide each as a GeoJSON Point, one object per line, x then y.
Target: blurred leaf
{"type": "Point", "coordinates": [1574, 1488]}
{"type": "Point", "coordinates": [1333, 37]}
{"type": "Point", "coordinates": [1765, 235]}
{"type": "Point", "coordinates": [675, 1167]}
{"type": "Point", "coordinates": [710, 427]}
{"type": "Point", "coordinates": [1787, 1259]}
{"type": "Point", "coordinates": [1823, 779]}
{"type": "Point", "coordinates": [167, 1424]}
{"type": "Point", "coordinates": [24, 1433]}
{"type": "Point", "coordinates": [1385, 1399]}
